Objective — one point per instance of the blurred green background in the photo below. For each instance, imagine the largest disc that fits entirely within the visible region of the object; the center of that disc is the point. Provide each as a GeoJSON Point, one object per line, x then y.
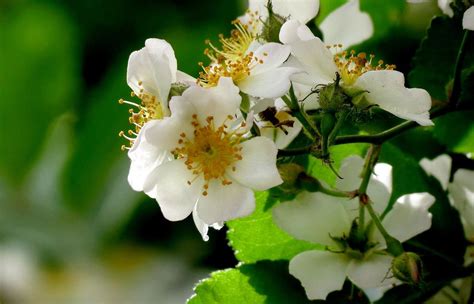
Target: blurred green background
{"type": "Point", "coordinates": [71, 229]}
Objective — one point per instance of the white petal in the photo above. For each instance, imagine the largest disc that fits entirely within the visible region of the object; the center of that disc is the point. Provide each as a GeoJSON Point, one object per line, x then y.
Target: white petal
{"type": "Point", "coordinates": [347, 25]}
{"type": "Point", "coordinates": [320, 272]}
{"type": "Point", "coordinates": [371, 272]}
{"type": "Point", "coordinates": [468, 19]}
{"type": "Point", "coordinates": [257, 169]}
{"type": "Point", "coordinates": [224, 203]}
{"type": "Point", "coordinates": [313, 217]}
{"type": "Point", "coordinates": [461, 192]}
{"type": "Point", "coordinates": [294, 31]}
{"type": "Point", "coordinates": [202, 227]}
{"type": "Point", "coordinates": [377, 189]}
{"type": "Point", "coordinates": [350, 171]}
{"type": "Point", "coordinates": [164, 133]}
{"type": "Point", "coordinates": [316, 59]}
{"type": "Point", "coordinates": [219, 101]}
{"type": "Point", "coordinates": [444, 5]}
{"type": "Point", "coordinates": [182, 77]}
{"type": "Point", "coordinates": [386, 88]}
{"type": "Point", "coordinates": [408, 217]}
{"type": "Point", "coordinates": [439, 167]}
{"type": "Point", "coordinates": [154, 66]}
{"type": "Point", "coordinates": [168, 183]}
{"type": "Point", "coordinates": [144, 157]}
{"type": "Point", "coordinates": [301, 10]}
{"type": "Point", "coordinates": [383, 173]}
{"type": "Point", "coordinates": [269, 84]}
{"type": "Point", "coordinates": [272, 55]}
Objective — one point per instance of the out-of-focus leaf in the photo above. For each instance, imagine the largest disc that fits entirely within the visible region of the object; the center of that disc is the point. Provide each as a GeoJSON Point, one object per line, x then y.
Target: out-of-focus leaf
{"type": "Point", "coordinates": [39, 60]}
{"type": "Point", "coordinates": [456, 131]}
{"type": "Point", "coordinates": [256, 237]}
{"type": "Point", "coordinates": [97, 148]}
{"type": "Point", "coordinates": [263, 282]}
{"type": "Point", "coordinates": [435, 59]}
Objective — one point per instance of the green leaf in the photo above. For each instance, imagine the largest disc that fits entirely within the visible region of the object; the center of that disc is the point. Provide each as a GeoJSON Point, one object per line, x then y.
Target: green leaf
{"type": "Point", "coordinates": [435, 59]}
{"type": "Point", "coordinates": [456, 131]}
{"type": "Point", "coordinates": [263, 282]}
{"type": "Point", "coordinates": [256, 237]}
{"type": "Point", "coordinates": [39, 60]}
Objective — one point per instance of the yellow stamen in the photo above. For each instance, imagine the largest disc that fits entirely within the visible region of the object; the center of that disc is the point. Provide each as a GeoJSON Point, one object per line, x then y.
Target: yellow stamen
{"type": "Point", "coordinates": [210, 152]}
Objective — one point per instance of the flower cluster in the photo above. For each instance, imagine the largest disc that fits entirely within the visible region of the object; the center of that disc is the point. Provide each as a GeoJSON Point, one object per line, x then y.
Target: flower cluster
{"type": "Point", "coordinates": [202, 145]}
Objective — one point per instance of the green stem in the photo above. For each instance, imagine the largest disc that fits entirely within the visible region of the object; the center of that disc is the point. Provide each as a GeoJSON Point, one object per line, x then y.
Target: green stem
{"type": "Point", "coordinates": [454, 98]}
{"type": "Point", "coordinates": [295, 151]}
{"type": "Point", "coordinates": [339, 123]}
{"type": "Point", "coordinates": [311, 184]}
{"type": "Point", "coordinates": [370, 161]}
{"type": "Point", "coordinates": [394, 247]}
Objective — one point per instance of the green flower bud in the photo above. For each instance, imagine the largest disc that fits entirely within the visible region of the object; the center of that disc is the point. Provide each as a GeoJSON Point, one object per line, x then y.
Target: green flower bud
{"type": "Point", "coordinates": [408, 268]}
{"type": "Point", "coordinates": [177, 89]}
{"type": "Point", "coordinates": [272, 26]}
{"type": "Point", "coordinates": [332, 97]}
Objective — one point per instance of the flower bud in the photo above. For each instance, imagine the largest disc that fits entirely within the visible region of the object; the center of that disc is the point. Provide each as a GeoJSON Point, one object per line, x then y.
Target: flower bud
{"type": "Point", "coordinates": [177, 89]}
{"type": "Point", "coordinates": [272, 26]}
{"type": "Point", "coordinates": [290, 174]}
{"type": "Point", "coordinates": [408, 268]}
{"type": "Point", "coordinates": [332, 97]}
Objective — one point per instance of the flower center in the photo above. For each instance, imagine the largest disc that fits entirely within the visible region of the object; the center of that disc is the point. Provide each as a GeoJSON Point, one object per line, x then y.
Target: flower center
{"type": "Point", "coordinates": [352, 65]}
{"type": "Point", "coordinates": [149, 108]}
{"type": "Point", "coordinates": [232, 59]}
{"type": "Point", "coordinates": [211, 151]}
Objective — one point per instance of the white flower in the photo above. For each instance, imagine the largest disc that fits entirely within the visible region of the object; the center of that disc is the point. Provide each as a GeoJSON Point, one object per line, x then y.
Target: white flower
{"type": "Point", "coordinates": [150, 73]}
{"type": "Point", "coordinates": [468, 17]}
{"type": "Point", "coordinates": [322, 219]}
{"type": "Point", "coordinates": [382, 85]}
{"type": "Point", "coordinates": [282, 128]}
{"type": "Point", "coordinates": [461, 189]}
{"type": "Point", "coordinates": [254, 67]}
{"type": "Point", "coordinates": [211, 167]}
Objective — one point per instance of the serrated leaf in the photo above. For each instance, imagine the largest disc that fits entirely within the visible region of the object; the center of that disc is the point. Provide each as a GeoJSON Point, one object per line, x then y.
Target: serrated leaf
{"type": "Point", "coordinates": [256, 237]}
{"type": "Point", "coordinates": [263, 282]}
{"type": "Point", "coordinates": [434, 61]}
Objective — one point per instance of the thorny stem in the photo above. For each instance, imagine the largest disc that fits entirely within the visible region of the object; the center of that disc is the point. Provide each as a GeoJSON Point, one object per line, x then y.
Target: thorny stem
{"type": "Point", "coordinates": [292, 103]}
{"type": "Point", "coordinates": [370, 161]}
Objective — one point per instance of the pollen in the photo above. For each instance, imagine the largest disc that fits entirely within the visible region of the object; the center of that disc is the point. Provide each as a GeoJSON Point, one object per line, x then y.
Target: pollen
{"type": "Point", "coordinates": [232, 58]}
{"type": "Point", "coordinates": [149, 108]}
{"type": "Point", "coordinates": [352, 65]}
{"type": "Point", "coordinates": [210, 151]}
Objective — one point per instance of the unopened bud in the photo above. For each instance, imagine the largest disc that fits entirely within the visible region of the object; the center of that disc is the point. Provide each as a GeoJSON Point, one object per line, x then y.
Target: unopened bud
{"type": "Point", "coordinates": [332, 97]}
{"type": "Point", "coordinates": [272, 26]}
{"type": "Point", "coordinates": [290, 174]}
{"type": "Point", "coordinates": [177, 89]}
{"type": "Point", "coordinates": [408, 268]}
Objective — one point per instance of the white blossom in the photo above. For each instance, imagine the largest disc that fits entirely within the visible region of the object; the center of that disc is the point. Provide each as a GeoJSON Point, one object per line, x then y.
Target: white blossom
{"type": "Point", "coordinates": [150, 73]}
{"type": "Point", "coordinates": [212, 166]}
{"type": "Point", "coordinates": [468, 16]}
{"type": "Point", "coordinates": [323, 219]}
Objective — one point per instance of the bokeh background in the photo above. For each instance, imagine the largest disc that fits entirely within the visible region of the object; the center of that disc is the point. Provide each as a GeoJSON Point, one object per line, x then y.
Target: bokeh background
{"type": "Point", "coordinates": [71, 229]}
